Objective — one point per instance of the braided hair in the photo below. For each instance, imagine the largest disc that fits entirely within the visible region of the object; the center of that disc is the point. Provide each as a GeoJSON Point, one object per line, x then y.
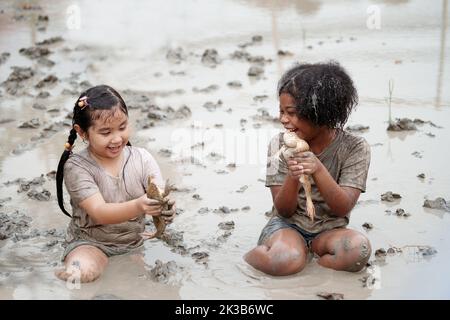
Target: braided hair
{"type": "Point", "coordinates": [90, 106]}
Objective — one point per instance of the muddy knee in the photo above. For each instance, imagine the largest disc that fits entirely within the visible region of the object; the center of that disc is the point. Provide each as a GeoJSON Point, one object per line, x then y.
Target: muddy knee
{"type": "Point", "coordinates": [364, 250]}
{"type": "Point", "coordinates": [86, 274]}
{"type": "Point", "coordinates": [286, 263]}
{"type": "Point", "coordinates": [89, 275]}
{"type": "Point", "coordinates": [77, 272]}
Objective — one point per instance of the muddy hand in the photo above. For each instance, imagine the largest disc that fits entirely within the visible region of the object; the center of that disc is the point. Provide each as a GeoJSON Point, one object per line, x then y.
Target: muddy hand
{"type": "Point", "coordinates": [169, 214]}
{"type": "Point", "coordinates": [295, 170]}
{"type": "Point", "coordinates": [309, 162]}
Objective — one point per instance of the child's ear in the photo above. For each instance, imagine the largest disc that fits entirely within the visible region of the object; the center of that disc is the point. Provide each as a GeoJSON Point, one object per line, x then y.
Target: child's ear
{"type": "Point", "coordinates": [81, 133]}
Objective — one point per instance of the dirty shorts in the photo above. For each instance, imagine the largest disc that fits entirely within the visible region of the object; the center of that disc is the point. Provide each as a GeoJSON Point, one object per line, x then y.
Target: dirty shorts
{"type": "Point", "coordinates": [277, 223]}
{"type": "Point", "coordinates": [107, 250]}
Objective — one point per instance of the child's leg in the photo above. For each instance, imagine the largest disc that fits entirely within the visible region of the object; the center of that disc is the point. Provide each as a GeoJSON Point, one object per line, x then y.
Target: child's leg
{"type": "Point", "coordinates": [284, 253]}
{"type": "Point", "coordinates": [87, 262]}
{"type": "Point", "coordinates": [342, 249]}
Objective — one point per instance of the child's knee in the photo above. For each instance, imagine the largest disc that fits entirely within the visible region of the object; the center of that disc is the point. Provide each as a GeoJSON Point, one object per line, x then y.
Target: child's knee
{"type": "Point", "coordinates": [80, 270]}
{"type": "Point", "coordinates": [363, 252]}
{"type": "Point", "coordinates": [90, 274]}
{"type": "Point", "coordinates": [286, 263]}
{"type": "Point", "coordinates": [90, 270]}
{"type": "Point", "coordinates": [81, 274]}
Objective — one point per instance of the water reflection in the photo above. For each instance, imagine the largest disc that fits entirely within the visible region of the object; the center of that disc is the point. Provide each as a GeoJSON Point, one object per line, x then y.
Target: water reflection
{"type": "Point", "coordinates": [302, 7]}
{"type": "Point", "coordinates": [442, 52]}
{"type": "Point", "coordinates": [393, 2]}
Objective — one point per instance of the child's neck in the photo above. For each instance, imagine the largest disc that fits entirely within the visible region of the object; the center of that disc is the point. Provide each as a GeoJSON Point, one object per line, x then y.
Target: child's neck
{"type": "Point", "coordinates": [322, 140]}
{"type": "Point", "coordinates": [111, 165]}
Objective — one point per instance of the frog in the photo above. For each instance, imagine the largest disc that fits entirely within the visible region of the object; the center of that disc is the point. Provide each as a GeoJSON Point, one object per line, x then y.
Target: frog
{"type": "Point", "coordinates": [155, 193]}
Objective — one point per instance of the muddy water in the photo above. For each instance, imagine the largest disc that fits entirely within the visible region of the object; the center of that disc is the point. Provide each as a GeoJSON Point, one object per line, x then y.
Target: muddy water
{"type": "Point", "coordinates": [126, 47]}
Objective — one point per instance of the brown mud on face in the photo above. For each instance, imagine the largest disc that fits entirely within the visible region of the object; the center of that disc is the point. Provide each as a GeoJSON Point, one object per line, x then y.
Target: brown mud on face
{"type": "Point", "coordinates": [166, 85]}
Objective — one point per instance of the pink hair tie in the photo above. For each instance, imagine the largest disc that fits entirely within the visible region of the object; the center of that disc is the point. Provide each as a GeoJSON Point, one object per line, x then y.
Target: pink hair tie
{"type": "Point", "coordinates": [82, 102]}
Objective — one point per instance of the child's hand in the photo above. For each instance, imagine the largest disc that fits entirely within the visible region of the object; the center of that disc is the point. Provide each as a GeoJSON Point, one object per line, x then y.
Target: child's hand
{"type": "Point", "coordinates": [169, 214]}
{"type": "Point", "coordinates": [303, 163]}
{"type": "Point", "coordinates": [308, 161]}
{"type": "Point", "coordinates": [148, 206]}
{"type": "Point", "coordinates": [295, 170]}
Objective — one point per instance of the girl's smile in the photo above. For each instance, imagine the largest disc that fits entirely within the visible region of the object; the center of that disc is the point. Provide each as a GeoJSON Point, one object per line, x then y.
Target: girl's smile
{"type": "Point", "coordinates": [115, 150]}
{"type": "Point", "coordinates": [289, 118]}
{"type": "Point", "coordinates": [317, 137]}
{"type": "Point", "coordinates": [109, 135]}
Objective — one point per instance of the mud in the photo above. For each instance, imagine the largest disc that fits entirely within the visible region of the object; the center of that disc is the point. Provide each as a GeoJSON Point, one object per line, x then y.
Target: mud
{"type": "Point", "coordinates": [357, 128]}
{"type": "Point", "coordinates": [390, 196]}
{"type": "Point", "coordinates": [32, 124]}
{"type": "Point", "coordinates": [228, 225]}
{"type": "Point", "coordinates": [200, 257]}
{"type": "Point", "coordinates": [50, 41]}
{"type": "Point", "coordinates": [210, 58]}
{"type": "Point", "coordinates": [409, 252]}
{"type": "Point", "coordinates": [14, 83]}
{"type": "Point", "coordinates": [176, 55]}
{"type": "Point", "coordinates": [234, 84]}
{"type": "Point", "coordinates": [399, 213]}
{"type": "Point", "coordinates": [166, 85]}
{"type": "Point", "coordinates": [208, 89]}
{"type": "Point", "coordinates": [331, 295]}
{"type": "Point", "coordinates": [4, 56]}
{"type": "Point", "coordinates": [211, 106]}
{"type": "Point", "coordinates": [255, 71]}
{"type": "Point", "coordinates": [367, 226]}
{"type": "Point", "coordinates": [47, 81]}
{"type": "Point", "coordinates": [439, 203]}
{"type": "Point", "coordinates": [13, 224]}
{"type": "Point", "coordinates": [174, 239]}
{"type": "Point", "coordinates": [162, 272]}
{"type": "Point", "coordinates": [405, 124]}
{"type": "Point", "coordinates": [35, 52]}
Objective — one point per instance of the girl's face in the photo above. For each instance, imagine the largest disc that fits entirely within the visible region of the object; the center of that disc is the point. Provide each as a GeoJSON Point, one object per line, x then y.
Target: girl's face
{"type": "Point", "coordinates": [289, 119]}
{"type": "Point", "coordinates": [109, 134]}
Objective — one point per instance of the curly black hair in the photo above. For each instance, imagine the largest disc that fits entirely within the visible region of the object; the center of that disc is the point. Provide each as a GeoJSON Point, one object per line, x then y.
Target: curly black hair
{"type": "Point", "coordinates": [323, 93]}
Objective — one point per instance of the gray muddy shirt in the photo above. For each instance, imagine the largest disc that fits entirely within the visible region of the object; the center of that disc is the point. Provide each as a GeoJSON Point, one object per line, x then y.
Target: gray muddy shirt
{"type": "Point", "coordinates": [84, 177]}
{"type": "Point", "coordinates": [347, 159]}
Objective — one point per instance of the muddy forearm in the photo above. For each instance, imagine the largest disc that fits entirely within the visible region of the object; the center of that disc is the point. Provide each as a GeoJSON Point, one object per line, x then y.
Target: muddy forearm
{"type": "Point", "coordinates": [335, 197]}
{"type": "Point", "coordinates": [287, 198]}
{"type": "Point", "coordinates": [111, 213]}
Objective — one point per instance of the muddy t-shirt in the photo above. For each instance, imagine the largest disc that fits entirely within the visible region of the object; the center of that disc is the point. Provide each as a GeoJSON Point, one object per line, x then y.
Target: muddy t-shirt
{"type": "Point", "coordinates": [84, 177]}
{"type": "Point", "coordinates": [347, 160]}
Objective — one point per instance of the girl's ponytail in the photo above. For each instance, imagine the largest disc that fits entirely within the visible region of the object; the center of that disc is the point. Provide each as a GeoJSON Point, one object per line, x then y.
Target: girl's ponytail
{"type": "Point", "coordinates": [60, 172]}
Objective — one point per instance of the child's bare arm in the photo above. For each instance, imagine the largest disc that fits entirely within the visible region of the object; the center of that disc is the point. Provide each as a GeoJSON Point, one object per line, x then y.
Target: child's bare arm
{"type": "Point", "coordinates": [285, 196]}
{"type": "Point", "coordinates": [110, 213]}
{"type": "Point", "coordinates": [340, 199]}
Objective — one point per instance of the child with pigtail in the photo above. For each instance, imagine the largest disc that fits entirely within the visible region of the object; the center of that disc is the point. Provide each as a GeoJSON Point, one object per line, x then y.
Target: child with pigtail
{"type": "Point", "coordinates": [107, 184]}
